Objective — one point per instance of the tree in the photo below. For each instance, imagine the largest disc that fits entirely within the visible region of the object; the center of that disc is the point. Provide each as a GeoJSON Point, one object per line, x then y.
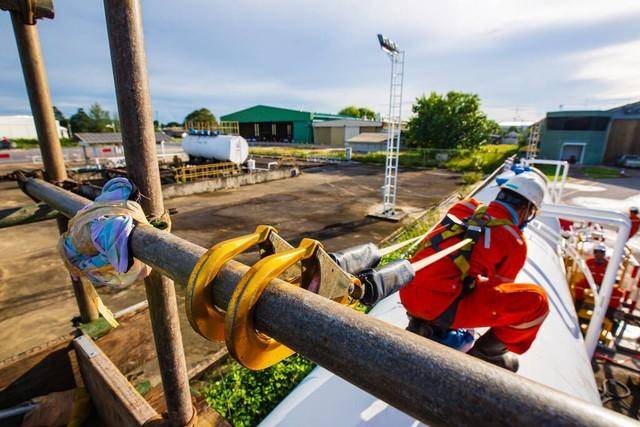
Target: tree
{"type": "Point", "coordinates": [201, 115]}
{"type": "Point", "coordinates": [451, 121]}
{"type": "Point", "coordinates": [59, 115]}
{"type": "Point", "coordinates": [100, 119]}
{"type": "Point", "coordinates": [80, 121]}
{"type": "Point", "coordinates": [171, 125]}
{"type": "Point", "coordinates": [358, 112]}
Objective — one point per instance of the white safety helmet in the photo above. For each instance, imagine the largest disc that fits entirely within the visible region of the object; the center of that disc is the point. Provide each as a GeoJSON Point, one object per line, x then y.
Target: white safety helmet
{"type": "Point", "coordinates": [600, 248]}
{"type": "Point", "coordinates": [529, 186]}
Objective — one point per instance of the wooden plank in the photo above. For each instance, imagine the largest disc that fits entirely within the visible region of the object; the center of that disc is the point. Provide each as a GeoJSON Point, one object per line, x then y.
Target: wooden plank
{"type": "Point", "coordinates": [115, 399]}
{"type": "Point", "coordinates": [48, 368]}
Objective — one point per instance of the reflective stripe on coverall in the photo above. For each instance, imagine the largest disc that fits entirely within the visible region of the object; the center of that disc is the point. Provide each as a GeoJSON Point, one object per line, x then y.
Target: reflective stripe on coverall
{"type": "Point", "coordinates": [514, 311]}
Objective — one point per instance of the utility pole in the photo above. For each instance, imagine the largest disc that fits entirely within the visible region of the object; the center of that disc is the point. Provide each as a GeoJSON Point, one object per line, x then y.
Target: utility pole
{"type": "Point", "coordinates": [23, 18]}
{"type": "Point", "coordinates": [128, 59]}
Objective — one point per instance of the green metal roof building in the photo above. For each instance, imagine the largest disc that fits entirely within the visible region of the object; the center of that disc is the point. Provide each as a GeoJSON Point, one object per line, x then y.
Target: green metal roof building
{"type": "Point", "coordinates": [266, 123]}
{"type": "Point", "coordinates": [591, 137]}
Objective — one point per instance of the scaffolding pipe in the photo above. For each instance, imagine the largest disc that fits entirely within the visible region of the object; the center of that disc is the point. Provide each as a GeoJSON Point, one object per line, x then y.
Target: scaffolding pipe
{"type": "Point", "coordinates": [426, 380]}
{"type": "Point", "coordinates": [35, 77]}
{"type": "Point", "coordinates": [128, 60]}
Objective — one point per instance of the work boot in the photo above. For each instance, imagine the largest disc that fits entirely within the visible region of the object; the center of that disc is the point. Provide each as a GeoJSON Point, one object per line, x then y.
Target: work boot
{"type": "Point", "coordinates": [492, 350]}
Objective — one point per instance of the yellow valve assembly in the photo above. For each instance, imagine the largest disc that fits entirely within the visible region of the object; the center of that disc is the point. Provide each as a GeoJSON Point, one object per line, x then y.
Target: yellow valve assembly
{"type": "Point", "coordinates": [249, 347]}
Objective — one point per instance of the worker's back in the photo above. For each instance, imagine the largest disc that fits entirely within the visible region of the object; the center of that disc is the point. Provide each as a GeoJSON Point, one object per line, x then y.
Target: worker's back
{"type": "Point", "coordinates": [499, 255]}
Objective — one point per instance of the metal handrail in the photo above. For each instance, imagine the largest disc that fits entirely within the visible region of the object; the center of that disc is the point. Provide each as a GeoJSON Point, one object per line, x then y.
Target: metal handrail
{"type": "Point", "coordinates": [622, 223]}
{"type": "Point", "coordinates": [428, 381]}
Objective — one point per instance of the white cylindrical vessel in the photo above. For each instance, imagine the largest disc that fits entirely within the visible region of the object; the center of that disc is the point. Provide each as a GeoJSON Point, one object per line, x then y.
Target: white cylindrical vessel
{"type": "Point", "coordinates": [228, 148]}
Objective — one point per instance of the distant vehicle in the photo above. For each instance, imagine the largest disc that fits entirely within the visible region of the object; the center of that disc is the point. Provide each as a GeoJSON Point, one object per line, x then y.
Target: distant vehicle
{"type": "Point", "coordinates": [628, 161]}
{"type": "Point", "coordinates": [6, 143]}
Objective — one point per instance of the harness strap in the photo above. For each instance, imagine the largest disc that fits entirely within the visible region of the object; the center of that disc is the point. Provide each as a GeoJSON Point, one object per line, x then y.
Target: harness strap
{"type": "Point", "coordinates": [472, 228]}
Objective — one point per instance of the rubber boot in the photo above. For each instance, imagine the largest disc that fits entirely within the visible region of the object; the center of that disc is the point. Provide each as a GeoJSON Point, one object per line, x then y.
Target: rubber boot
{"type": "Point", "coordinates": [492, 350]}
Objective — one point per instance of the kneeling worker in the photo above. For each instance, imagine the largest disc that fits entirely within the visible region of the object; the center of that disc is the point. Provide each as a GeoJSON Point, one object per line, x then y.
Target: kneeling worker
{"type": "Point", "coordinates": [473, 287]}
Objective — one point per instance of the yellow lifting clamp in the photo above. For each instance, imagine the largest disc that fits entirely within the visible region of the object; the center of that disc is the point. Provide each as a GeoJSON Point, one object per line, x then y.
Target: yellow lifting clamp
{"type": "Point", "coordinates": [205, 318]}
{"type": "Point", "coordinates": [249, 347]}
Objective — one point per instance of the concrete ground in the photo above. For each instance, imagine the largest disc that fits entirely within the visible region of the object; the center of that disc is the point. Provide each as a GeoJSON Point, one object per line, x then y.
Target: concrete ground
{"type": "Point", "coordinates": [327, 203]}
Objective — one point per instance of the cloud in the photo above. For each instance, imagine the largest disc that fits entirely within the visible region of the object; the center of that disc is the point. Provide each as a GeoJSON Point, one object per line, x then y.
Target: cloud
{"type": "Point", "coordinates": [523, 57]}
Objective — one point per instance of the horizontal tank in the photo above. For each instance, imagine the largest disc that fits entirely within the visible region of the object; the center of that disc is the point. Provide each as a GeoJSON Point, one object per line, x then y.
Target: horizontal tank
{"type": "Point", "coordinates": [226, 148]}
{"type": "Point", "coordinates": [557, 358]}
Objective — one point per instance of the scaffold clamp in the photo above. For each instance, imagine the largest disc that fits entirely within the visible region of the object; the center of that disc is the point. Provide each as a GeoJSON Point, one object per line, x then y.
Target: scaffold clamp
{"type": "Point", "coordinates": [204, 316]}
{"type": "Point", "coordinates": [249, 347]}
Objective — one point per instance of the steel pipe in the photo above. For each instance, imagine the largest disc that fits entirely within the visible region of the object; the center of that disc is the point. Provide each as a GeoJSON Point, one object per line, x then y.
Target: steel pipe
{"type": "Point", "coordinates": [35, 78]}
{"type": "Point", "coordinates": [129, 63]}
{"type": "Point", "coordinates": [428, 381]}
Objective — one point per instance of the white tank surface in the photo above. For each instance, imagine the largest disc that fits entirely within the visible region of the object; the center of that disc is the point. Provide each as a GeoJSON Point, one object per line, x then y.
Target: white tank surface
{"type": "Point", "coordinates": [226, 148]}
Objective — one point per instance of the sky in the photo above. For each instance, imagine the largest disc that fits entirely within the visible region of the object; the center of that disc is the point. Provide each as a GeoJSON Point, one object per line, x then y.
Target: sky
{"type": "Point", "coordinates": [521, 57]}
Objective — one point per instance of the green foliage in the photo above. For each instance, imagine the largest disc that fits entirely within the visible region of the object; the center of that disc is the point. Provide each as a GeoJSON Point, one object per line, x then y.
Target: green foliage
{"type": "Point", "coordinates": [80, 121]}
{"type": "Point", "coordinates": [100, 119]}
{"type": "Point", "coordinates": [202, 115]}
{"type": "Point", "coordinates": [60, 117]}
{"type": "Point", "coordinates": [33, 143]}
{"type": "Point", "coordinates": [358, 112]}
{"type": "Point", "coordinates": [245, 397]}
{"type": "Point", "coordinates": [451, 121]}
{"type": "Point", "coordinates": [471, 177]}
{"type": "Point", "coordinates": [172, 125]}
{"type": "Point", "coordinates": [484, 159]}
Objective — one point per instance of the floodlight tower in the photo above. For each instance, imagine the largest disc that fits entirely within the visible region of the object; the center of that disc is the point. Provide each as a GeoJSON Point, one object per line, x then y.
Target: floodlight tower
{"type": "Point", "coordinates": [394, 126]}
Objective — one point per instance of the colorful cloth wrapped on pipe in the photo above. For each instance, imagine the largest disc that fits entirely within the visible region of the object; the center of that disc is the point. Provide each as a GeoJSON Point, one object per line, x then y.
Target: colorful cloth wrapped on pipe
{"type": "Point", "coordinates": [96, 244]}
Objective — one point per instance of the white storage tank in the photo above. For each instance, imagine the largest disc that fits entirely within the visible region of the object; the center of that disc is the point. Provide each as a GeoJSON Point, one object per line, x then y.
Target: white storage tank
{"type": "Point", "coordinates": [226, 148]}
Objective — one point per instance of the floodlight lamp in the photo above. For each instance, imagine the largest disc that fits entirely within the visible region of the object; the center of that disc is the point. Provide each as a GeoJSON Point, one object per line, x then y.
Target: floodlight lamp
{"type": "Point", "coordinates": [387, 45]}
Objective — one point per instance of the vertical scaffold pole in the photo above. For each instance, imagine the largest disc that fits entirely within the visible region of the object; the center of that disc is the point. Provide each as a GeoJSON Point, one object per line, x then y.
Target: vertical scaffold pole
{"type": "Point", "coordinates": [35, 78]}
{"type": "Point", "coordinates": [128, 59]}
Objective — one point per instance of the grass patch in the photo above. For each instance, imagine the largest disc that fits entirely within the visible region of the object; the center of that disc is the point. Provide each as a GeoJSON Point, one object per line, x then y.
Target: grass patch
{"type": "Point", "coordinates": [33, 143]}
{"type": "Point", "coordinates": [484, 159]}
{"type": "Point", "coordinates": [600, 172]}
{"type": "Point", "coordinates": [471, 177]}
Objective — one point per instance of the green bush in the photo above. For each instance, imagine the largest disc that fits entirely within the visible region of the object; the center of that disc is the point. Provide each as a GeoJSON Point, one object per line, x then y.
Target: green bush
{"type": "Point", "coordinates": [471, 177]}
{"type": "Point", "coordinates": [245, 397]}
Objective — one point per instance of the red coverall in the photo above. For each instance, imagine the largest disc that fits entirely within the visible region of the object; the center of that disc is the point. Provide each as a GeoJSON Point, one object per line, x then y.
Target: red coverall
{"type": "Point", "coordinates": [597, 271]}
{"type": "Point", "coordinates": [515, 311]}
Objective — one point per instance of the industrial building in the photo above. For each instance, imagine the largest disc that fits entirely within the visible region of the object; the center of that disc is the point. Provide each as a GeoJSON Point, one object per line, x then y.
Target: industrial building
{"type": "Point", "coordinates": [591, 137]}
{"type": "Point", "coordinates": [15, 127]}
{"type": "Point", "coordinates": [337, 132]}
{"type": "Point", "coordinates": [267, 123]}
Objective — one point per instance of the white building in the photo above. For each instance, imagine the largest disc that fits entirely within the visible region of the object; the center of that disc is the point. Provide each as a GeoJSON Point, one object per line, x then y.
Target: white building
{"type": "Point", "coordinates": [14, 127]}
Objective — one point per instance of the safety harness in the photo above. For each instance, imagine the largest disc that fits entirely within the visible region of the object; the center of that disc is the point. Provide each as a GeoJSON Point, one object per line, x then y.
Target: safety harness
{"type": "Point", "coordinates": [475, 226]}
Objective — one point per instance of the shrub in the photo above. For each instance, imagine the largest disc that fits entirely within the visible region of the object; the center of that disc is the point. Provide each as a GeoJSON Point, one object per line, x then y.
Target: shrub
{"type": "Point", "coordinates": [245, 397]}
{"type": "Point", "coordinates": [471, 177]}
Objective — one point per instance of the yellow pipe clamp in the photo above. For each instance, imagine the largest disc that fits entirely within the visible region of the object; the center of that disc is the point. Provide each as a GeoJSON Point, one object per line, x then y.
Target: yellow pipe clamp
{"type": "Point", "coordinates": [205, 318]}
{"type": "Point", "coordinates": [249, 347]}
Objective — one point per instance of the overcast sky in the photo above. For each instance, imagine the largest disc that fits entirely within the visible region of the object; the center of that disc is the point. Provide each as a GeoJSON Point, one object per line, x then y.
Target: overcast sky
{"type": "Point", "coordinates": [522, 57]}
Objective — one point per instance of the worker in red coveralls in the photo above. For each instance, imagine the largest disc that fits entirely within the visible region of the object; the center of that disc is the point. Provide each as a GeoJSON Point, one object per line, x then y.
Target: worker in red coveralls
{"type": "Point", "coordinates": [598, 266]}
{"type": "Point", "coordinates": [635, 221]}
{"type": "Point", "coordinates": [477, 289]}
